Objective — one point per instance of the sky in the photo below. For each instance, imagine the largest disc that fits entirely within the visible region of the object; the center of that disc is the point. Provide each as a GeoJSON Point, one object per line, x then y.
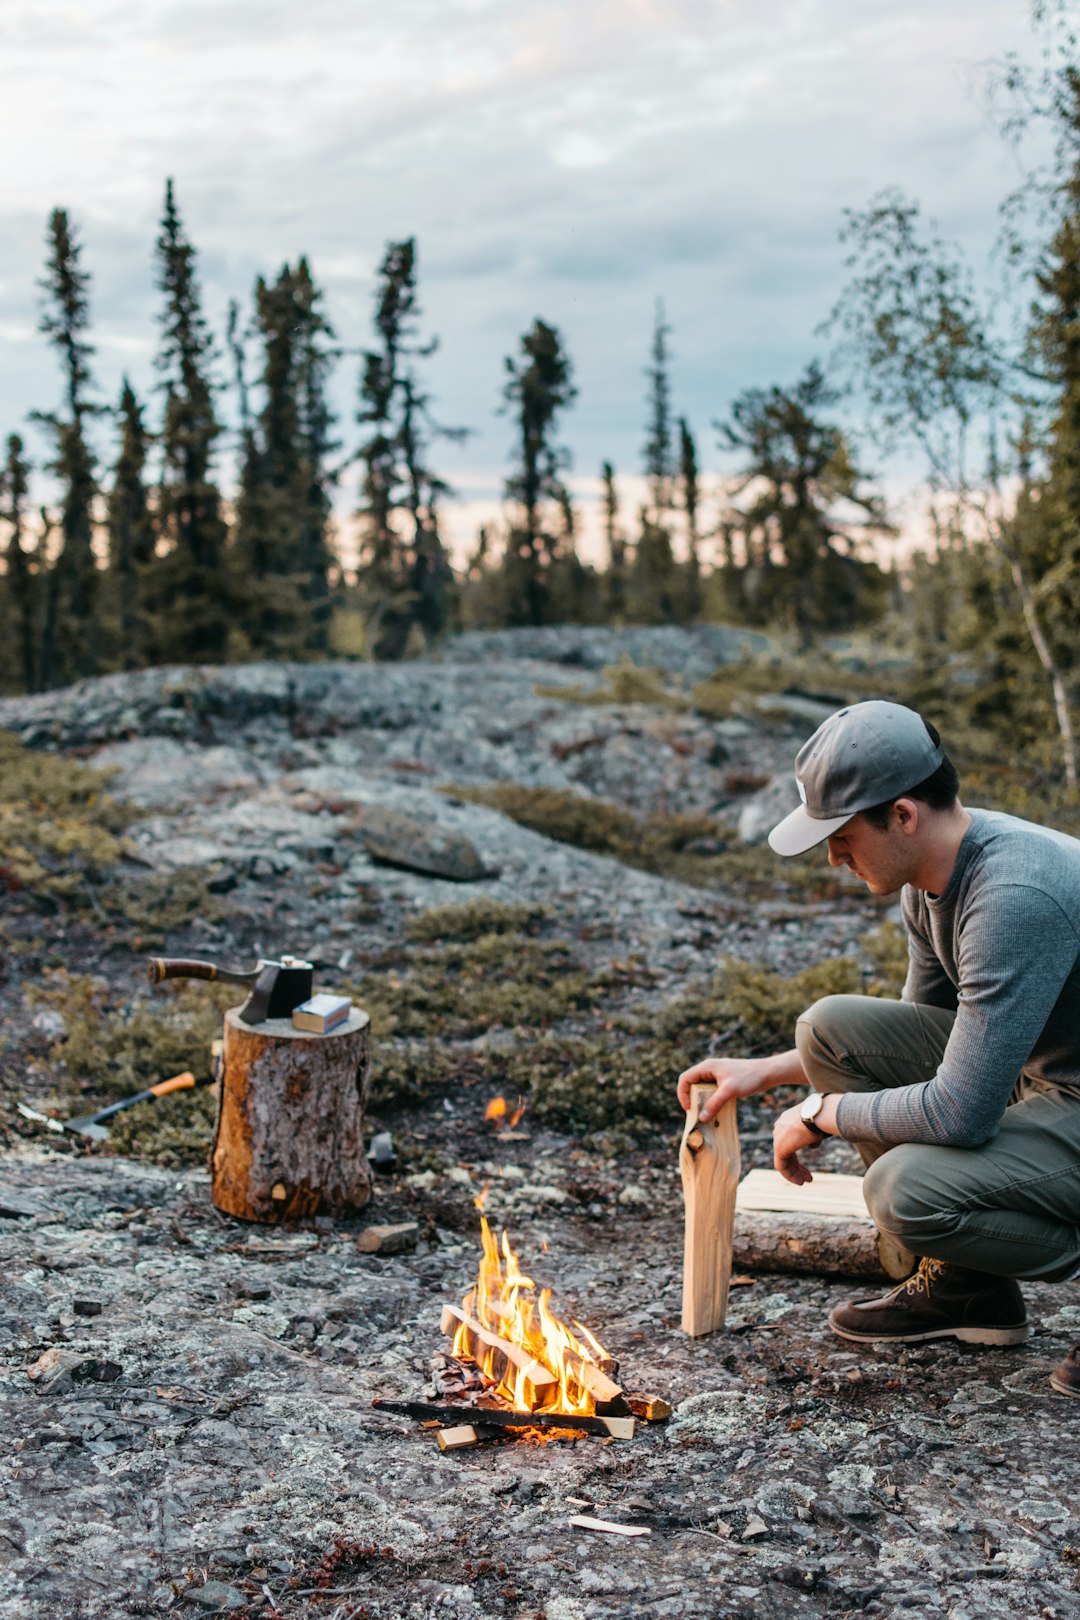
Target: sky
{"type": "Point", "coordinates": [574, 160]}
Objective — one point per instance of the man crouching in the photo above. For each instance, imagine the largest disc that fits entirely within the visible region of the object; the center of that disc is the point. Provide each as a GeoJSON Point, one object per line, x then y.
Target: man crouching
{"type": "Point", "coordinates": [964, 1096]}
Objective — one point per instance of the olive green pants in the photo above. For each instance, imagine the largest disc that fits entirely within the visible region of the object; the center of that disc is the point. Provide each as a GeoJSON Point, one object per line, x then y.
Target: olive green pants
{"type": "Point", "coordinates": [1011, 1206]}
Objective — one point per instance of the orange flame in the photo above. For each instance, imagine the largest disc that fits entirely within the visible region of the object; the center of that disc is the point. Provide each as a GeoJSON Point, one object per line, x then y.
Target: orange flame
{"type": "Point", "coordinates": [516, 1116]}
{"type": "Point", "coordinates": [495, 1110]}
{"type": "Point", "coordinates": [504, 1301]}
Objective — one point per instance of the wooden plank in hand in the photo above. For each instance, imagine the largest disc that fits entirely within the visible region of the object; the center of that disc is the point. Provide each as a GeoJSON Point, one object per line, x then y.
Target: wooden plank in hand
{"type": "Point", "coordinates": [709, 1162]}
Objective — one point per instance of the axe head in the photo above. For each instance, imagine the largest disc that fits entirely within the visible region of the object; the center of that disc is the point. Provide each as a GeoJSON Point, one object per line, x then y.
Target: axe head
{"type": "Point", "coordinates": [279, 988]}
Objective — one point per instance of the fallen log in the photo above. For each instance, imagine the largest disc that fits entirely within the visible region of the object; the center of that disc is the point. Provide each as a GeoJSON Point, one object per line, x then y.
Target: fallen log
{"type": "Point", "coordinates": [818, 1245]}
{"type": "Point", "coordinates": [619, 1428]}
{"type": "Point", "coordinates": [531, 1381]}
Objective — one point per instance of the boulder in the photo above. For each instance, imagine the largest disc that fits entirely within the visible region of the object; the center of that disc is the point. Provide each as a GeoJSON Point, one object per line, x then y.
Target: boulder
{"type": "Point", "coordinates": [419, 846]}
{"type": "Point", "coordinates": [769, 805]}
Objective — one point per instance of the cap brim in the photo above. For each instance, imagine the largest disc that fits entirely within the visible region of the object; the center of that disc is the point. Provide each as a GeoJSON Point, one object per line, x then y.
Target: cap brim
{"type": "Point", "coordinates": [800, 831]}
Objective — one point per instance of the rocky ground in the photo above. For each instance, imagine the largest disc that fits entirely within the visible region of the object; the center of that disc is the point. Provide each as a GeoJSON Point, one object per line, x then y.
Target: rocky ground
{"type": "Point", "coordinates": [200, 1437]}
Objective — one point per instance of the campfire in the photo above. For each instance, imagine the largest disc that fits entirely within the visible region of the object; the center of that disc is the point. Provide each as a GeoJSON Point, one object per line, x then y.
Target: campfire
{"type": "Point", "coordinates": [530, 1369]}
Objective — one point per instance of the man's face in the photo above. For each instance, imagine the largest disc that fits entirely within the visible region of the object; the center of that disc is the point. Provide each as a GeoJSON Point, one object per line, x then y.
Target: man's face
{"type": "Point", "coordinates": [882, 859]}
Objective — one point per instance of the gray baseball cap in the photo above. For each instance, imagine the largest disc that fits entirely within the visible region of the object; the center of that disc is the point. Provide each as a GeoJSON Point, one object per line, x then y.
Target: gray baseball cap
{"type": "Point", "coordinates": [858, 757]}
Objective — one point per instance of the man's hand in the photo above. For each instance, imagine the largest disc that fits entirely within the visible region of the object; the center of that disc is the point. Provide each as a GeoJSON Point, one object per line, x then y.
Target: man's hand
{"type": "Point", "coordinates": [734, 1077]}
{"type": "Point", "coordinates": [740, 1077]}
{"type": "Point", "coordinates": [790, 1138]}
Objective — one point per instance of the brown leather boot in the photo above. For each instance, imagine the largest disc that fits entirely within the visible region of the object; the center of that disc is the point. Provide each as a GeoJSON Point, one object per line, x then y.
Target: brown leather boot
{"type": "Point", "coordinates": [1066, 1378]}
{"type": "Point", "coordinates": [939, 1302]}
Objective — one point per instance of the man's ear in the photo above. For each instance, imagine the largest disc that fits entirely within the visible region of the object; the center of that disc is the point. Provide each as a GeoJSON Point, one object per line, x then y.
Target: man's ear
{"type": "Point", "coordinates": [906, 812]}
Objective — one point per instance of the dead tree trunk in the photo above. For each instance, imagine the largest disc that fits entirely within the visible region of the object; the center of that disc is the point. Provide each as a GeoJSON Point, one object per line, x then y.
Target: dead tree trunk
{"type": "Point", "coordinates": [289, 1138]}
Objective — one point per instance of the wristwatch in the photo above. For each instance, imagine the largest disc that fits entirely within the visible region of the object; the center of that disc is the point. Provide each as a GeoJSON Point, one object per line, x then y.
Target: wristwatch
{"type": "Point", "coordinates": [810, 1110]}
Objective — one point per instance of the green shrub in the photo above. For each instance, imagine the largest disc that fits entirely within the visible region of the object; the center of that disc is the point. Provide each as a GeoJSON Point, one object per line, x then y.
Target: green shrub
{"type": "Point", "coordinates": [460, 990]}
{"type": "Point", "coordinates": [627, 682]}
{"type": "Point", "coordinates": [115, 1049]}
{"type": "Point", "coordinates": [473, 920]}
{"type": "Point", "coordinates": [59, 827]}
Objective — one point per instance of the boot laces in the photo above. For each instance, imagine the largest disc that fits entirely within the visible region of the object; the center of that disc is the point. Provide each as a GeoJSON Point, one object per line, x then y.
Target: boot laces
{"type": "Point", "coordinates": [923, 1280]}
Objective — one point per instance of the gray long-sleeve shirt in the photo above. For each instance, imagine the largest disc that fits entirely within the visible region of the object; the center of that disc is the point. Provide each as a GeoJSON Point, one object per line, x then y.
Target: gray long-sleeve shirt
{"type": "Point", "coordinates": [1001, 945]}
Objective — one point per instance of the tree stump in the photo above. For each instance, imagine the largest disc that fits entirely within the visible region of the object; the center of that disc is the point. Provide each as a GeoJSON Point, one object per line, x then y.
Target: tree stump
{"type": "Point", "coordinates": [289, 1137]}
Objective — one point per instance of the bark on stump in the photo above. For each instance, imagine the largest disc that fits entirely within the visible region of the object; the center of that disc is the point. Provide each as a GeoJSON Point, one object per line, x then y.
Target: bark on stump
{"type": "Point", "coordinates": [289, 1138]}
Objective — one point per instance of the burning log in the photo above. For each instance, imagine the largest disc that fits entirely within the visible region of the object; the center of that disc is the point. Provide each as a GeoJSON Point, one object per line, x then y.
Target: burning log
{"type": "Point", "coordinates": [607, 1395]}
{"type": "Point", "coordinates": [619, 1428]}
{"type": "Point", "coordinates": [516, 1340]}
{"type": "Point", "coordinates": [532, 1383]}
{"type": "Point", "coordinates": [709, 1162]}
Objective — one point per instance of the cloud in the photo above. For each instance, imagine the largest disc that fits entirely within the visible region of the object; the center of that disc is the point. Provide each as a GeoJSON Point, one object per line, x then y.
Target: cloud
{"type": "Point", "coordinates": [552, 158]}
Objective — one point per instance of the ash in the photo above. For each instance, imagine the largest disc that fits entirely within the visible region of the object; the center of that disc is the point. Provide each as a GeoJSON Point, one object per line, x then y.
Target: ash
{"type": "Point", "coordinates": [199, 1437]}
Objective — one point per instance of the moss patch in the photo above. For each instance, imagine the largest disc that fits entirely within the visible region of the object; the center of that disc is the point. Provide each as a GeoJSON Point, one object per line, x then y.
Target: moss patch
{"type": "Point", "coordinates": [626, 682]}
{"type": "Point", "coordinates": [114, 1049]}
{"type": "Point", "coordinates": [59, 827]}
{"type": "Point", "coordinates": [473, 920]}
{"type": "Point", "coordinates": [626, 1079]}
{"type": "Point", "coordinates": [156, 904]}
{"type": "Point", "coordinates": [463, 989]}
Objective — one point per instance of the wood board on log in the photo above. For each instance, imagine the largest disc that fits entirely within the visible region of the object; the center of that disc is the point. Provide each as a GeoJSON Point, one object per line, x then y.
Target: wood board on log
{"type": "Point", "coordinates": [533, 1383]}
{"type": "Point", "coordinates": [827, 1194]}
{"type": "Point", "coordinates": [709, 1163]}
{"type": "Point", "coordinates": [289, 1137]}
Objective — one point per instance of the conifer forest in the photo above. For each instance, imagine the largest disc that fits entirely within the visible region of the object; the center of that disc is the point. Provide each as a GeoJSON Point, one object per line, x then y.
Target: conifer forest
{"type": "Point", "coordinates": [230, 514]}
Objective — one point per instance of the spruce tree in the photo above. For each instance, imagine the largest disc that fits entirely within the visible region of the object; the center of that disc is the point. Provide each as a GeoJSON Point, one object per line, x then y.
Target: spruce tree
{"type": "Point", "coordinates": [191, 607]}
{"type": "Point", "coordinates": [21, 577]}
{"type": "Point", "coordinates": [616, 548]}
{"type": "Point", "coordinates": [404, 578]}
{"type": "Point", "coordinates": [70, 638]}
{"type": "Point", "coordinates": [798, 465]}
{"type": "Point", "coordinates": [281, 556]}
{"type": "Point", "coordinates": [539, 389]}
{"type": "Point", "coordinates": [659, 460]}
{"type": "Point", "coordinates": [132, 536]}
{"type": "Point", "coordinates": [688, 478]}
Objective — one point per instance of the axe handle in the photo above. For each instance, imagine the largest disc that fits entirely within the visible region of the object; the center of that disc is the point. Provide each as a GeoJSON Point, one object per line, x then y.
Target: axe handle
{"type": "Point", "coordinates": [160, 968]}
{"type": "Point", "coordinates": [179, 1082]}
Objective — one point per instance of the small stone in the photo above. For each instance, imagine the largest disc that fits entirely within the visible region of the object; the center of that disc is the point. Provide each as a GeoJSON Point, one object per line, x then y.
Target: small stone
{"type": "Point", "coordinates": [801, 1577]}
{"type": "Point", "coordinates": [755, 1528]}
{"type": "Point", "coordinates": [250, 1290]}
{"type": "Point", "coordinates": [216, 1596]}
{"type": "Point", "coordinates": [388, 1239]}
{"type": "Point", "coordinates": [635, 1197]}
{"type": "Point", "coordinates": [49, 1022]}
